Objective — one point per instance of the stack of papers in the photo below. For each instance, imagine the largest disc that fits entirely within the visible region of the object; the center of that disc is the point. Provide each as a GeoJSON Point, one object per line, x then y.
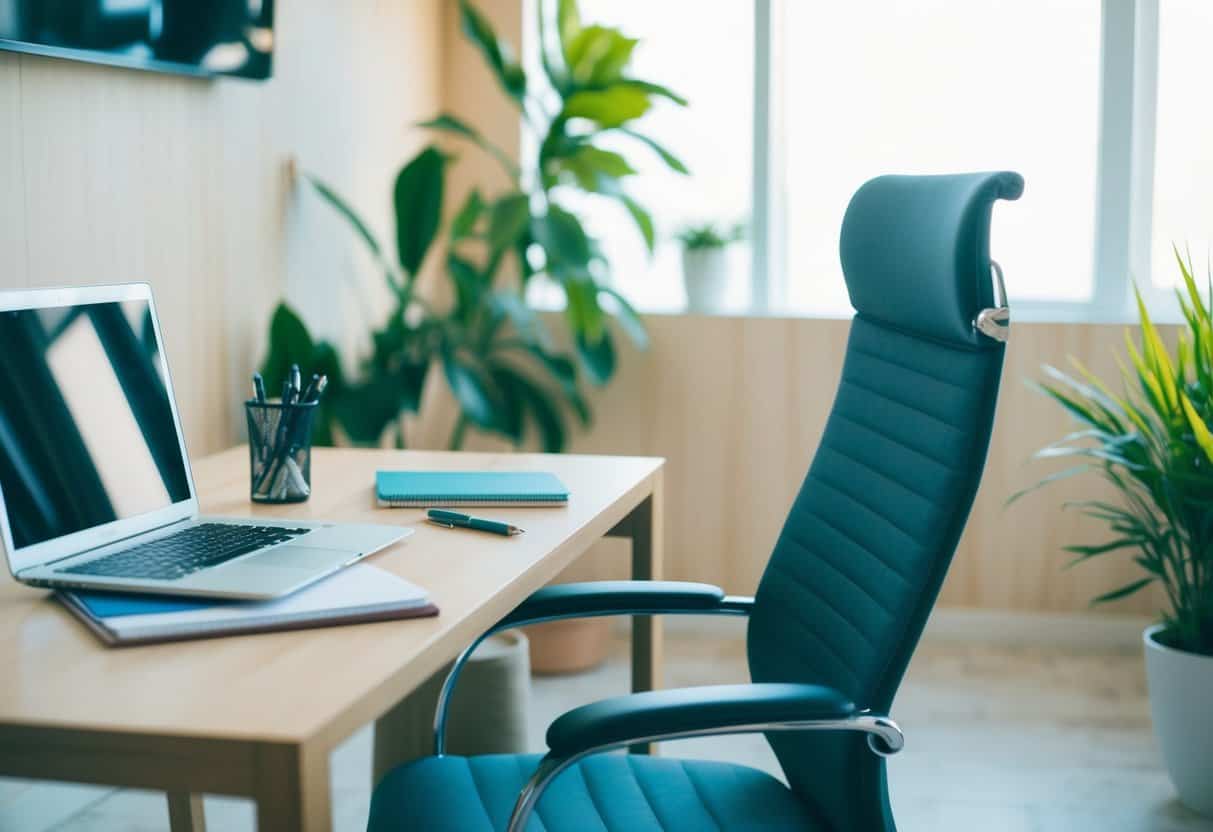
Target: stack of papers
{"type": "Point", "coordinates": [356, 594]}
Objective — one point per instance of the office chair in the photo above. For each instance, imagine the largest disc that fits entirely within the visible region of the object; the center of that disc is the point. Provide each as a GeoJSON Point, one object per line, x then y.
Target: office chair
{"type": "Point", "coordinates": [843, 599]}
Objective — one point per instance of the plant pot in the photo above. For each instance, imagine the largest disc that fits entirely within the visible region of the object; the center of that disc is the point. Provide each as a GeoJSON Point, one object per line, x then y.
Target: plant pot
{"type": "Point", "coordinates": [705, 274]}
{"type": "Point", "coordinates": [1181, 687]}
{"type": "Point", "coordinates": [569, 646]}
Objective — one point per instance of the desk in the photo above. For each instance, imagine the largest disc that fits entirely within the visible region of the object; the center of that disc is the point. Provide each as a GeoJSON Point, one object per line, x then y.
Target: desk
{"type": "Point", "coordinates": [257, 716]}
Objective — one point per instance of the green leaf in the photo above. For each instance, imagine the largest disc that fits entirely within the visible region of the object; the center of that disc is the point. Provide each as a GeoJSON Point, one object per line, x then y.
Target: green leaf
{"type": "Point", "coordinates": [526, 323]}
{"type": "Point", "coordinates": [468, 284]}
{"type": "Point", "coordinates": [1076, 408]}
{"type": "Point", "coordinates": [592, 168]}
{"type": "Point", "coordinates": [671, 161]}
{"type": "Point", "coordinates": [568, 24]}
{"type": "Point", "coordinates": [649, 88]}
{"type": "Point", "coordinates": [351, 216]}
{"type": "Point", "coordinates": [474, 390]}
{"type": "Point", "coordinates": [418, 201]}
{"type": "Point", "coordinates": [1085, 553]}
{"type": "Point", "coordinates": [643, 220]}
{"type": "Point", "coordinates": [464, 223]}
{"type": "Point", "coordinates": [564, 372]}
{"type": "Point", "coordinates": [597, 357]}
{"type": "Point", "coordinates": [562, 237]}
{"type": "Point", "coordinates": [289, 343]}
{"type": "Point", "coordinates": [510, 418]}
{"type": "Point", "coordinates": [539, 404]}
{"type": "Point", "coordinates": [611, 107]}
{"type": "Point", "coordinates": [498, 55]}
{"type": "Point", "coordinates": [450, 124]}
{"type": "Point", "coordinates": [628, 318]}
{"type": "Point", "coordinates": [585, 316]}
{"type": "Point", "coordinates": [367, 409]}
{"type": "Point", "coordinates": [508, 218]}
{"type": "Point", "coordinates": [1060, 475]}
{"type": "Point", "coordinates": [597, 55]}
{"type": "Point", "coordinates": [560, 367]}
{"type": "Point", "coordinates": [1124, 591]}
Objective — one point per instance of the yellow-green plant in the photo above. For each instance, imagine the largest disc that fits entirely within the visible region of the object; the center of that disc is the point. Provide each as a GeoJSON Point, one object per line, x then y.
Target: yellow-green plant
{"type": "Point", "coordinates": [1153, 444]}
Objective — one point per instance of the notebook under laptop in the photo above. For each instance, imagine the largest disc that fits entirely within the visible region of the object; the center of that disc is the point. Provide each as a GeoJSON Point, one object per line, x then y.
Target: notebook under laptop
{"type": "Point", "coordinates": [95, 484]}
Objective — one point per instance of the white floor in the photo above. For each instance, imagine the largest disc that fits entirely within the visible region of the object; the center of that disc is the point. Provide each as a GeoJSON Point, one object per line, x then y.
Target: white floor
{"type": "Point", "coordinates": [998, 738]}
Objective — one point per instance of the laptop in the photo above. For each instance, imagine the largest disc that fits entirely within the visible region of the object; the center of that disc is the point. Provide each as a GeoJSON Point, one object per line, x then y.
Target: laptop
{"type": "Point", "coordinates": [95, 483]}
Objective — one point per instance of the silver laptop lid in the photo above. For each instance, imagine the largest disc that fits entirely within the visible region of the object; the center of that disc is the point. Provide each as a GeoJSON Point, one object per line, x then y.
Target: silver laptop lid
{"type": "Point", "coordinates": [91, 449]}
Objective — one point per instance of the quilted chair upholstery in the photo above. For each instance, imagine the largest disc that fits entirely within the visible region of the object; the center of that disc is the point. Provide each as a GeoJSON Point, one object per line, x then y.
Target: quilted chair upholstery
{"type": "Point", "coordinates": [870, 536]}
{"type": "Point", "coordinates": [854, 572]}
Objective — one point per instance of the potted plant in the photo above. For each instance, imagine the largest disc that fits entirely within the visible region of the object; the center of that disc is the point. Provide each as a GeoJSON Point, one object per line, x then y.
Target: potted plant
{"type": "Point", "coordinates": [705, 263]}
{"type": "Point", "coordinates": [495, 353]}
{"type": "Point", "coordinates": [1153, 444]}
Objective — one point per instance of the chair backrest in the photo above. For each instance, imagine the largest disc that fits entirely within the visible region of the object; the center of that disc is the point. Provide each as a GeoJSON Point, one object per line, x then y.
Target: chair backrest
{"type": "Point", "coordinates": [869, 538]}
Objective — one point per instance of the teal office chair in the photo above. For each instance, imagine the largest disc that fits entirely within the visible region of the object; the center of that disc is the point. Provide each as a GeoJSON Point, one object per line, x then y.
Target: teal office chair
{"type": "Point", "coordinates": [844, 597]}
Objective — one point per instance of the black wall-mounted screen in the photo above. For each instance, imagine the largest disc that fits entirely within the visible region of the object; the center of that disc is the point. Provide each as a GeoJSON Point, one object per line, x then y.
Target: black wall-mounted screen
{"type": "Point", "coordinates": [195, 37]}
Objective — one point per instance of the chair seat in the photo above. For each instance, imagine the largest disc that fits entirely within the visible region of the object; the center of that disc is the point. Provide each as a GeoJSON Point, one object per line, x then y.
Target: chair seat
{"type": "Point", "coordinates": [611, 792]}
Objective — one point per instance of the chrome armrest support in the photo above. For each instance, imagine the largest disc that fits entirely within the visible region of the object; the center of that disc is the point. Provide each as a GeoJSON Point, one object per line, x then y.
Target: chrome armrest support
{"type": "Point", "coordinates": [995, 322]}
{"type": "Point", "coordinates": [883, 735]}
{"type": "Point", "coordinates": [731, 605]}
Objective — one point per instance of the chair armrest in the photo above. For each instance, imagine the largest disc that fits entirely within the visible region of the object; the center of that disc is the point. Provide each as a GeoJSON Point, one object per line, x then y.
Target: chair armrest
{"type": "Point", "coordinates": [697, 712]}
{"type": "Point", "coordinates": [590, 599]}
{"type": "Point", "coordinates": [622, 720]}
{"type": "Point", "coordinates": [595, 598]}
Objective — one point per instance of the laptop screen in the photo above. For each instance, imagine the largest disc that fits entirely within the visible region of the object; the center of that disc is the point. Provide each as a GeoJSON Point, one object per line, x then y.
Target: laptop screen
{"type": "Point", "coordinates": [87, 434]}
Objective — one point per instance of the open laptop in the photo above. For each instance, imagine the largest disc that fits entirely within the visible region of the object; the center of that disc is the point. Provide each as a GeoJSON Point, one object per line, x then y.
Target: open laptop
{"type": "Point", "coordinates": [95, 483]}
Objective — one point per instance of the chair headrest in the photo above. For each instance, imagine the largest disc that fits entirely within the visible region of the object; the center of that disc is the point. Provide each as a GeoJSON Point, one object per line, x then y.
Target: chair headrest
{"type": "Point", "coordinates": [916, 251]}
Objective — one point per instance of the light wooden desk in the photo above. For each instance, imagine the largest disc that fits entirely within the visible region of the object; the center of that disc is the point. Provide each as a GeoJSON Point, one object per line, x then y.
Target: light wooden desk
{"type": "Point", "coordinates": [257, 716]}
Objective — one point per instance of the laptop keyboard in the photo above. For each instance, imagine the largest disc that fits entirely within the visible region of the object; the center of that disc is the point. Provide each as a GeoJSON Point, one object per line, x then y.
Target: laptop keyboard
{"type": "Point", "coordinates": [187, 551]}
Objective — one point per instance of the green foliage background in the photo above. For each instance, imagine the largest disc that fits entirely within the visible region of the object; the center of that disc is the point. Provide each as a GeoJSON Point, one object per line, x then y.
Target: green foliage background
{"type": "Point", "coordinates": [496, 354]}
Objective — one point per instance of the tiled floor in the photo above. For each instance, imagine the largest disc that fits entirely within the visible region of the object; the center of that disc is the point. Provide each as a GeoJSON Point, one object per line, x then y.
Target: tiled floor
{"type": "Point", "coordinates": [998, 738]}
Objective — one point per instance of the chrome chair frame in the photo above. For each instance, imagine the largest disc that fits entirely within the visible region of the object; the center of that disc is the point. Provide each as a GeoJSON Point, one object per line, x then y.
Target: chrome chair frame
{"type": "Point", "coordinates": [883, 734]}
{"type": "Point", "coordinates": [731, 605]}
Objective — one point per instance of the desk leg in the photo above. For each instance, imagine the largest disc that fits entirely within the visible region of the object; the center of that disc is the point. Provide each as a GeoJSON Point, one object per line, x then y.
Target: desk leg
{"type": "Point", "coordinates": [644, 525]}
{"type": "Point", "coordinates": [292, 791]}
{"type": "Point", "coordinates": [646, 532]}
{"type": "Point", "coordinates": [185, 812]}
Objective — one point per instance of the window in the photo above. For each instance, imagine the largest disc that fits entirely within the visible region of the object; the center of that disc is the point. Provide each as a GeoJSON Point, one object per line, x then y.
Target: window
{"type": "Point", "coordinates": [1100, 105]}
{"type": "Point", "coordinates": [712, 66]}
{"type": "Point", "coordinates": [922, 86]}
{"type": "Point", "coordinates": [1183, 146]}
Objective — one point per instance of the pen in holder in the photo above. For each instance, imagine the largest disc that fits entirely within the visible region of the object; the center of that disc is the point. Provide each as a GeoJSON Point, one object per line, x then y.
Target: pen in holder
{"type": "Point", "coordinates": [280, 450]}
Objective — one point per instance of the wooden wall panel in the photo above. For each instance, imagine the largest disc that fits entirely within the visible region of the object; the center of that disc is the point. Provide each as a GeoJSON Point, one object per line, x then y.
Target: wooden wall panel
{"type": "Point", "coordinates": [110, 175]}
{"type": "Point", "coordinates": [737, 406]}
{"type": "Point", "coordinates": [12, 191]}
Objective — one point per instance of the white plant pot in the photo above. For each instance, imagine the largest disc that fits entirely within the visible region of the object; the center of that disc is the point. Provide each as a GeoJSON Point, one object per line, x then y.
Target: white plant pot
{"type": "Point", "coordinates": [705, 273]}
{"type": "Point", "coordinates": [1181, 688]}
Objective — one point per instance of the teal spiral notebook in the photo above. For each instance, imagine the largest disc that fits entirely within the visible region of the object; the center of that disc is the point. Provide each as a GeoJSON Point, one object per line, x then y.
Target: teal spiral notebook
{"type": "Point", "coordinates": [425, 489]}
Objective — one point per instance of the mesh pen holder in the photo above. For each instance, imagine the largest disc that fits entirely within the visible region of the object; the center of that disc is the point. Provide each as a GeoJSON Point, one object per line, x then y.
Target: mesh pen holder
{"type": "Point", "coordinates": [280, 451]}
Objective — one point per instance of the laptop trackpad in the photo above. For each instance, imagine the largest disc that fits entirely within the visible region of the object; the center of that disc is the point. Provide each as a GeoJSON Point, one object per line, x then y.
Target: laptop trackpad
{"type": "Point", "coordinates": [299, 557]}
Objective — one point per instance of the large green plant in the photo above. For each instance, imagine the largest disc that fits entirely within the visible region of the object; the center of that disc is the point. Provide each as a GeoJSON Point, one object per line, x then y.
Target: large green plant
{"type": "Point", "coordinates": [495, 352]}
{"type": "Point", "coordinates": [1154, 446]}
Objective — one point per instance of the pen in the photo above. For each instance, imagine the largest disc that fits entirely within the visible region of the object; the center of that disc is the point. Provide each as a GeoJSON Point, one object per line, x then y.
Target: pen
{"type": "Point", "coordinates": [451, 519]}
{"type": "Point", "coordinates": [306, 395]}
{"type": "Point", "coordinates": [296, 379]}
{"type": "Point", "coordinates": [259, 388]}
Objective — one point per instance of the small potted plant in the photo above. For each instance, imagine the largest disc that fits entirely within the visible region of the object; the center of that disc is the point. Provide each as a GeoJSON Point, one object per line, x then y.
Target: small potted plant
{"type": "Point", "coordinates": [1152, 443]}
{"type": "Point", "coordinates": [705, 263]}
